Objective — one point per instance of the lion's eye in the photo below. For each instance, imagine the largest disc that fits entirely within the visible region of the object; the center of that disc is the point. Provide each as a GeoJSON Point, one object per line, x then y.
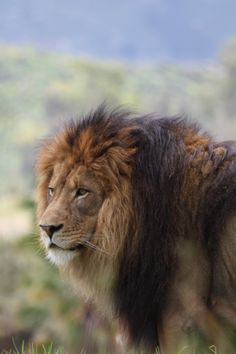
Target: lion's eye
{"type": "Point", "coordinates": [81, 192]}
{"type": "Point", "coordinates": [50, 191]}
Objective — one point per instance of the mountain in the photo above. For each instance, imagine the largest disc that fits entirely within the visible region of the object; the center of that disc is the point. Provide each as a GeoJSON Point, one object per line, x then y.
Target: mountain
{"type": "Point", "coordinates": [178, 30]}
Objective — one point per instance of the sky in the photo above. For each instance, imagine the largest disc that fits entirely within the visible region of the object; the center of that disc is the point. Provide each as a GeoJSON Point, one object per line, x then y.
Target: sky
{"type": "Point", "coordinates": [139, 30]}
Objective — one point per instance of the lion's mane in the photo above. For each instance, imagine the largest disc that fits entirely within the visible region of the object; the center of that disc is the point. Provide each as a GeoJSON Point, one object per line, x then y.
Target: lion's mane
{"type": "Point", "coordinates": [167, 182]}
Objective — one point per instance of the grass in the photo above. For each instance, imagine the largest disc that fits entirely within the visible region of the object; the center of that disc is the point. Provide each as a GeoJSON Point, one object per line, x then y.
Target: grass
{"type": "Point", "coordinates": [34, 349]}
{"type": "Point", "coordinates": [42, 349]}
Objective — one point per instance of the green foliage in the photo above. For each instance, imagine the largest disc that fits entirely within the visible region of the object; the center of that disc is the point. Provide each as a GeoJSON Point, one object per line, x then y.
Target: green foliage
{"type": "Point", "coordinates": [38, 91]}
{"type": "Point", "coordinates": [32, 296]}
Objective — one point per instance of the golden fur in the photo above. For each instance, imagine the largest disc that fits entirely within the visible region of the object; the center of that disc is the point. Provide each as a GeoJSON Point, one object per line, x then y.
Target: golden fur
{"type": "Point", "coordinates": [111, 166]}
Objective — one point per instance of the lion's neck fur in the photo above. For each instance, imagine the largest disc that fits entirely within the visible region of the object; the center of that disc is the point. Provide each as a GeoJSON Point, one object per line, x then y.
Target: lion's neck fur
{"type": "Point", "coordinates": [94, 274]}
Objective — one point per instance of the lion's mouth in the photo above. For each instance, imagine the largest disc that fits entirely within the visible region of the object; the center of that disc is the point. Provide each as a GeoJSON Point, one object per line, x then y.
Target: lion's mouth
{"type": "Point", "coordinates": [76, 248]}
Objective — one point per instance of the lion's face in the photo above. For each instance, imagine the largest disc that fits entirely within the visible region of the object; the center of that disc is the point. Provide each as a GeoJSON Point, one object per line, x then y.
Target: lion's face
{"type": "Point", "coordinates": [74, 198]}
{"type": "Point", "coordinates": [84, 193]}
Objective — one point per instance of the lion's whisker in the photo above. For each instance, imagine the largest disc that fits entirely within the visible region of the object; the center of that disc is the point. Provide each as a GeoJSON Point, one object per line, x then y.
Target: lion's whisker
{"type": "Point", "coordinates": [91, 245]}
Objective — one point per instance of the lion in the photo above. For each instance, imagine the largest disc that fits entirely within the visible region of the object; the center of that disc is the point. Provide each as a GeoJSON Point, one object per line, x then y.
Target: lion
{"type": "Point", "coordinates": [140, 213]}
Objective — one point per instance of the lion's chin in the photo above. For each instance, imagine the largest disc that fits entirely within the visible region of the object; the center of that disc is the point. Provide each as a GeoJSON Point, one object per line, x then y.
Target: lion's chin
{"type": "Point", "coordinates": [60, 257]}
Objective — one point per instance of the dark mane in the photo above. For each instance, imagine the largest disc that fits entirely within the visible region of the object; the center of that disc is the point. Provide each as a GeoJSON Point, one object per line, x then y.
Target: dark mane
{"type": "Point", "coordinates": [147, 264]}
{"type": "Point", "coordinates": [104, 122]}
{"type": "Point", "coordinates": [169, 206]}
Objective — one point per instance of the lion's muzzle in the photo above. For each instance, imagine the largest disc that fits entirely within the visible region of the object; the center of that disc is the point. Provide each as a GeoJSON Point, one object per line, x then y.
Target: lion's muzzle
{"type": "Point", "coordinates": [51, 229]}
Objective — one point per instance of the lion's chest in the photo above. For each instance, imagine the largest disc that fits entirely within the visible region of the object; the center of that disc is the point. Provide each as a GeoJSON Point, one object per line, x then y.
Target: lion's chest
{"type": "Point", "coordinates": [95, 284]}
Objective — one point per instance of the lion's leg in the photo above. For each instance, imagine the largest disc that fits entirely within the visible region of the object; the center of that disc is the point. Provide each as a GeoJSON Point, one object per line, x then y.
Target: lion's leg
{"type": "Point", "coordinates": [186, 306]}
{"type": "Point", "coordinates": [189, 287]}
{"type": "Point", "coordinates": [177, 325]}
{"type": "Point", "coordinates": [174, 333]}
{"type": "Point", "coordinates": [186, 298]}
{"type": "Point", "coordinates": [213, 331]}
{"type": "Point", "coordinates": [190, 315]}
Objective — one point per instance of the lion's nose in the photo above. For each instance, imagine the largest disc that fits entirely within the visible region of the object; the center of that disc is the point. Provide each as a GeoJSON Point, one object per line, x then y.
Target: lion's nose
{"type": "Point", "coordinates": [51, 229]}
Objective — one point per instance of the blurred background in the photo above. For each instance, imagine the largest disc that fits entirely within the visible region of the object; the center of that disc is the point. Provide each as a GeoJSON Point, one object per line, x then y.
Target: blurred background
{"type": "Point", "coordinates": [60, 58]}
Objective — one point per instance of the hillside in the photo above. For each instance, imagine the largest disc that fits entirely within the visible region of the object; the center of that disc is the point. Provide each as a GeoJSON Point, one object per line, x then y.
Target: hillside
{"type": "Point", "coordinates": [39, 90]}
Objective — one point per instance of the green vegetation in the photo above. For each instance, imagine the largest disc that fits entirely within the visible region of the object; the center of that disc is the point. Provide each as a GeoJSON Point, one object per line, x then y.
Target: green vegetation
{"type": "Point", "coordinates": [36, 306]}
{"type": "Point", "coordinates": [32, 349]}
{"type": "Point", "coordinates": [39, 91]}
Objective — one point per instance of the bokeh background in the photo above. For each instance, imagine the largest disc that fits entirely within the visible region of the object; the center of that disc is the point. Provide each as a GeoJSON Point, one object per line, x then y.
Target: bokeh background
{"type": "Point", "coordinates": [59, 59]}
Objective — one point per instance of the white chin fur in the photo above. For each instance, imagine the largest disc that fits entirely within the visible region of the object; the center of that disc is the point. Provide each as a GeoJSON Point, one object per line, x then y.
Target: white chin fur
{"type": "Point", "coordinates": [60, 257]}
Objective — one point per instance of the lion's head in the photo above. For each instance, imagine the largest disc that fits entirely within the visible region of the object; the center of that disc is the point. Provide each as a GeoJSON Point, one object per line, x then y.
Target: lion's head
{"type": "Point", "coordinates": [84, 190]}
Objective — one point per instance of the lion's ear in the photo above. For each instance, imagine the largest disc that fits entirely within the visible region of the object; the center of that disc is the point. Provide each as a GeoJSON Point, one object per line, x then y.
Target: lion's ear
{"type": "Point", "coordinates": [124, 148]}
{"type": "Point", "coordinates": [131, 137]}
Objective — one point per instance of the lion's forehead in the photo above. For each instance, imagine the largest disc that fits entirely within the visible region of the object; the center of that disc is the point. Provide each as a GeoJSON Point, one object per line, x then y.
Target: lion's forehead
{"type": "Point", "coordinates": [61, 172]}
{"type": "Point", "coordinates": [72, 175]}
